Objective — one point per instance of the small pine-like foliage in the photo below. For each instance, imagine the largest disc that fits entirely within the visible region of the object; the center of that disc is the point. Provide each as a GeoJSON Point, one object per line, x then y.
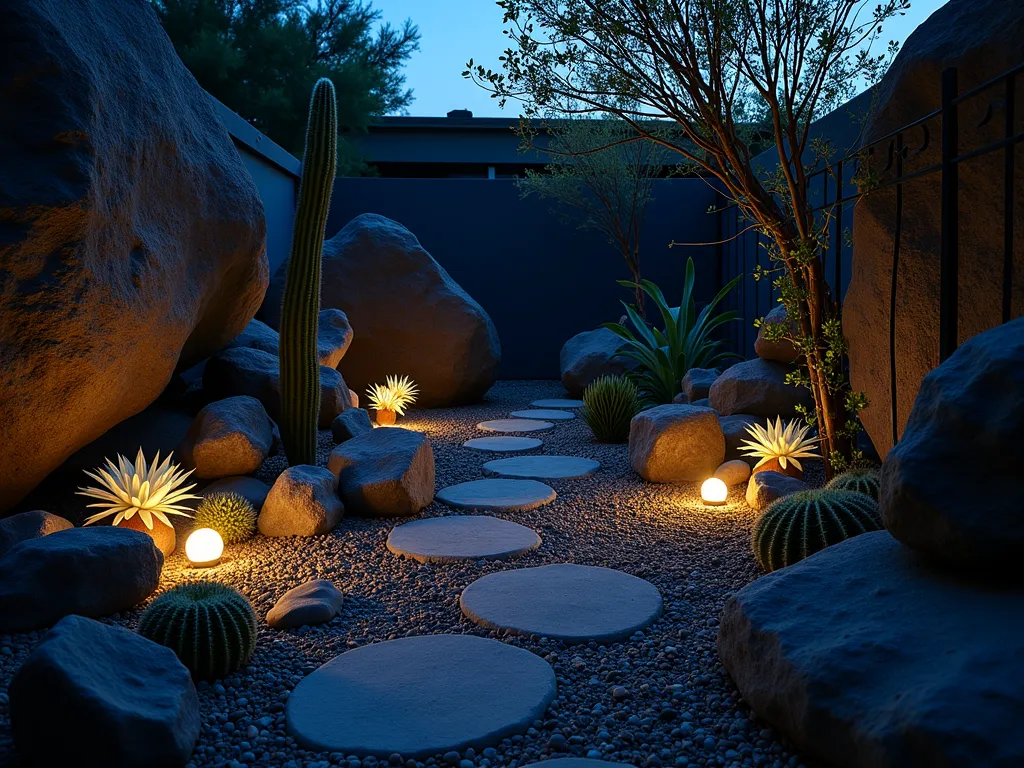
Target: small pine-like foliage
{"type": "Point", "coordinates": [229, 514]}
{"type": "Point", "coordinates": [211, 627]}
{"type": "Point", "coordinates": [797, 526]}
{"type": "Point", "coordinates": [609, 404]}
{"type": "Point", "coordinates": [864, 481]}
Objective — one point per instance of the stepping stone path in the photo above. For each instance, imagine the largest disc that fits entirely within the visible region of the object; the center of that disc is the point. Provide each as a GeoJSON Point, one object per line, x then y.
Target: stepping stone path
{"type": "Point", "coordinates": [499, 495]}
{"type": "Point", "coordinates": [449, 539]}
{"type": "Point", "coordinates": [548, 414]}
{"type": "Point", "coordinates": [557, 402]}
{"type": "Point", "coordinates": [542, 467]}
{"type": "Point", "coordinates": [514, 425]}
{"type": "Point", "coordinates": [574, 603]}
{"type": "Point", "coordinates": [383, 698]}
{"type": "Point", "coordinates": [503, 444]}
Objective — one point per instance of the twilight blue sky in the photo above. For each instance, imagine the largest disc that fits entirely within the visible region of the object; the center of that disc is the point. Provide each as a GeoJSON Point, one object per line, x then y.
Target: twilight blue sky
{"type": "Point", "coordinates": [453, 31]}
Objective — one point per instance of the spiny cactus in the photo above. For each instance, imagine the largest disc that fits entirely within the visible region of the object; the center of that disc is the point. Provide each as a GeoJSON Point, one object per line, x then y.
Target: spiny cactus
{"type": "Point", "coordinates": [300, 365]}
{"type": "Point", "coordinates": [609, 404]}
{"type": "Point", "coordinates": [864, 481]}
{"type": "Point", "coordinates": [229, 514]}
{"type": "Point", "coordinates": [797, 526]}
{"type": "Point", "coordinates": [211, 627]}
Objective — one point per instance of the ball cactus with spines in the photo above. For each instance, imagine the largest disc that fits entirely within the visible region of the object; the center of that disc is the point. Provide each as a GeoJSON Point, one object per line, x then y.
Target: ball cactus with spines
{"type": "Point", "coordinates": [609, 404]}
{"type": "Point", "coordinates": [211, 627]}
{"type": "Point", "coordinates": [300, 310]}
{"type": "Point", "coordinates": [864, 481]}
{"type": "Point", "coordinates": [229, 514]}
{"type": "Point", "coordinates": [797, 526]}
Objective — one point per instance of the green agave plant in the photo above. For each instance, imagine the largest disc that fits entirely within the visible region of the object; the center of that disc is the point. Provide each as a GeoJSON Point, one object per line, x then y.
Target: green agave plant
{"type": "Point", "coordinates": [664, 356]}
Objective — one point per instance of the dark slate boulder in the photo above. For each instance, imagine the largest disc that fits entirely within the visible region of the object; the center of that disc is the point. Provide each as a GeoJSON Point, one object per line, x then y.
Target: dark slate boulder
{"type": "Point", "coordinates": [951, 487]}
{"type": "Point", "coordinates": [92, 571]}
{"type": "Point", "coordinates": [131, 235]}
{"type": "Point", "coordinates": [865, 657]}
{"type": "Point", "coordinates": [411, 318]}
{"type": "Point", "coordinates": [95, 694]}
{"type": "Point", "coordinates": [351, 423]}
{"type": "Point", "coordinates": [588, 355]}
{"type": "Point", "coordinates": [388, 472]}
{"type": "Point", "coordinates": [29, 525]}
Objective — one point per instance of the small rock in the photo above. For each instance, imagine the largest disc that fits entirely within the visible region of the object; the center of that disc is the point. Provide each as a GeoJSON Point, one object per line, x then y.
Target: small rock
{"type": "Point", "coordinates": [314, 602]}
{"type": "Point", "coordinates": [758, 387]}
{"type": "Point", "coordinates": [118, 699]}
{"type": "Point", "coordinates": [782, 351]}
{"type": "Point", "coordinates": [733, 472]}
{"type": "Point", "coordinates": [387, 472]}
{"type": "Point", "coordinates": [29, 525]}
{"type": "Point", "coordinates": [334, 337]}
{"type": "Point", "coordinates": [765, 487]}
{"type": "Point", "coordinates": [228, 437]}
{"type": "Point", "coordinates": [352, 423]}
{"type": "Point", "coordinates": [681, 399]}
{"type": "Point", "coordinates": [697, 382]}
{"type": "Point", "coordinates": [675, 443]}
{"type": "Point", "coordinates": [302, 502]}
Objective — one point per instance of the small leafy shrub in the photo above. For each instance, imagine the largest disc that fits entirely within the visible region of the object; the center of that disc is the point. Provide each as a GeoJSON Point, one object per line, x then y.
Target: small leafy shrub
{"type": "Point", "coordinates": [211, 627]}
{"type": "Point", "coordinates": [229, 514]}
{"type": "Point", "coordinates": [664, 356]}
{"type": "Point", "coordinates": [797, 526]}
{"type": "Point", "coordinates": [779, 448]}
{"type": "Point", "coordinates": [864, 481]}
{"type": "Point", "coordinates": [609, 404]}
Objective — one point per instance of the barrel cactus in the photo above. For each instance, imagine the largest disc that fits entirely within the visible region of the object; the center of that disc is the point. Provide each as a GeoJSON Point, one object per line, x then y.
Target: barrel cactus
{"type": "Point", "coordinates": [864, 481]}
{"type": "Point", "coordinates": [609, 404]}
{"type": "Point", "coordinates": [300, 311]}
{"type": "Point", "coordinates": [211, 627]}
{"type": "Point", "coordinates": [797, 526]}
{"type": "Point", "coordinates": [229, 514]}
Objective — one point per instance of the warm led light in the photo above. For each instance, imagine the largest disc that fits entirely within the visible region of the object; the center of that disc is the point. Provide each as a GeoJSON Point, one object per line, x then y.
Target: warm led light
{"type": "Point", "coordinates": [714, 492]}
{"type": "Point", "coordinates": [204, 547]}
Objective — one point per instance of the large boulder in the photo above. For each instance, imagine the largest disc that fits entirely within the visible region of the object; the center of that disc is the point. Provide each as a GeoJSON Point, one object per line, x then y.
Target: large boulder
{"type": "Point", "coordinates": [981, 38]}
{"type": "Point", "coordinates": [412, 318]}
{"type": "Point", "coordinates": [253, 372]}
{"type": "Point", "coordinates": [865, 658]}
{"type": "Point", "coordinates": [758, 388]}
{"type": "Point", "coordinates": [133, 237]}
{"type": "Point", "coordinates": [302, 502]}
{"type": "Point", "coordinates": [951, 487]}
{"type": "Point", "coordinates": [334, 336]}
{"type": "Point", "coordinates": [228, 437]}
{"type": "Point", "coordinates": [88, 571]}
{"type": "Point", "coordinates": [29, 525]}
{"type": "Point", "coordinates": [588, 355]}
{"type": "Point", "coordinates": [676, 444]}
{"type": "Point", "coordinates": [90, 689]}
{"type": "Point", "coordinates": [387, 472]}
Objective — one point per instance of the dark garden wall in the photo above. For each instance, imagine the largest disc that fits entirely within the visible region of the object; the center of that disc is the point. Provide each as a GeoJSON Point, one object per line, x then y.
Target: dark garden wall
{"type": "Point", "coordinates": [542, 280]}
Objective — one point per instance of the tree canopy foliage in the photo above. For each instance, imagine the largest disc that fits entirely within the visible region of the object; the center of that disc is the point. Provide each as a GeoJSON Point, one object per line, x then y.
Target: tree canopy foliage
{"type": "Point", "coordinates": [262, 57]}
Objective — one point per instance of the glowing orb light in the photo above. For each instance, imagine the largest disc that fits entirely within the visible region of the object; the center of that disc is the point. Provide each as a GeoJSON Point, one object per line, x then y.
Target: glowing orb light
{"type": "Point", "coordinates": [204, 547]}
{"type": "Point", "coordinates": [714, 492]}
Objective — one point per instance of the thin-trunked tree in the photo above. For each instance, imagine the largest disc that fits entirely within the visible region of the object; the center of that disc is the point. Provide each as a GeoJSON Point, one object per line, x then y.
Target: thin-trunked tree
{"type": "Point", "coordinates": [718, 69]}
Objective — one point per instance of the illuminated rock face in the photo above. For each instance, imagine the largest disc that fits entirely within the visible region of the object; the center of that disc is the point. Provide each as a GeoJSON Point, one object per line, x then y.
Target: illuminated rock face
{"type": "Point", "coordinates": [131, 235]}
{"type": "Point", "coordinates": [676, 444]}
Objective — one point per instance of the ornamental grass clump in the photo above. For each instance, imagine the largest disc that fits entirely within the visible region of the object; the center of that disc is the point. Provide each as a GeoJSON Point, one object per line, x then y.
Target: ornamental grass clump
{"type": "Point", "coordinates": [609, 405]}
{"type": "Point", "coordinates": [230, 514]}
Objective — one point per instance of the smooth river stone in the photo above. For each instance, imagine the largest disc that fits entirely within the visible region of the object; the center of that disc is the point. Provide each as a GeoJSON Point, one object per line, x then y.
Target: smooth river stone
{"type": "Point", "coordinates": [574, 603]}
{"type": "Point", "coordinates": [548, 414]}
{"type": "Point", "coordinates": [542, 467]}
{"type": "Point", "coordinates": [497, 494]}
{"type": "Point", "coordinates": [449, 539]}
{"type": "Point", "coordinates": [557, 402]}
{"type": "Point", "coordinates": [503, 444]}
{"type": "Point", "coordinates": [419, 697]}
{"type": "Point", "coordinates": [514, 425]}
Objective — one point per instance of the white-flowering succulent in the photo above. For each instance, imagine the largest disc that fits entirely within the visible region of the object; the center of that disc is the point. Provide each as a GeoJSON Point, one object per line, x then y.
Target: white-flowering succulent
{"type": "Point", "coordinates": [149, 491]}
{"type": "Point", "coordinates": [786, 444]}
{"type": "Point", "coordinates": [396, 395]}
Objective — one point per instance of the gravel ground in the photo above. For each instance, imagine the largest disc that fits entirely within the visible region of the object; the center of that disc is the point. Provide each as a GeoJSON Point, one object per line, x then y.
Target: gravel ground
{"type": "Point", "coordinates": [660, 699]}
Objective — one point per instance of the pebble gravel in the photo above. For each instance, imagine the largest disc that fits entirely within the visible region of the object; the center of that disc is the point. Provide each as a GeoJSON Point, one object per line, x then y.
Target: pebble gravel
{"type": "Point", "coordinates": [660, 698]}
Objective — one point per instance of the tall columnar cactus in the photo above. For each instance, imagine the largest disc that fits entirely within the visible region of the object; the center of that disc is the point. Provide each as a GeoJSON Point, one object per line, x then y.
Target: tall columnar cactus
{"type": "Point", "coordinates": [797, 526]}
{"type": "Point", "coordinates": [300, 366]}
{"type": "Point", "coordinates": [864, 481]}
{"type": "Point", "coordinates": [211, 627]}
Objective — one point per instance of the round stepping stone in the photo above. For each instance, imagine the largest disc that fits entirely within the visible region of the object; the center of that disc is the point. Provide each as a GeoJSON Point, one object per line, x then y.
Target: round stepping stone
{"type": "Point", "coordinates": [575, 603]}
{"type": "Point", "coordinates": [548, 414]}
{"type": "Point", "coordinates": [557, 402]}
{"type": "Point", "coordinates": [542, 467]}
{"type": "Point", "coordinates": [449, 539]}
{"type": "Point", "coordinates": [503, 444]}
{"type": "Point", "coordinates": [577, 762]}
{"type": "Point", "coordinates": [498, 494]}
{"type": "Point", "coordinates": [420, 696]}
{"type": "Point", "coordinates": [514, 425]}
